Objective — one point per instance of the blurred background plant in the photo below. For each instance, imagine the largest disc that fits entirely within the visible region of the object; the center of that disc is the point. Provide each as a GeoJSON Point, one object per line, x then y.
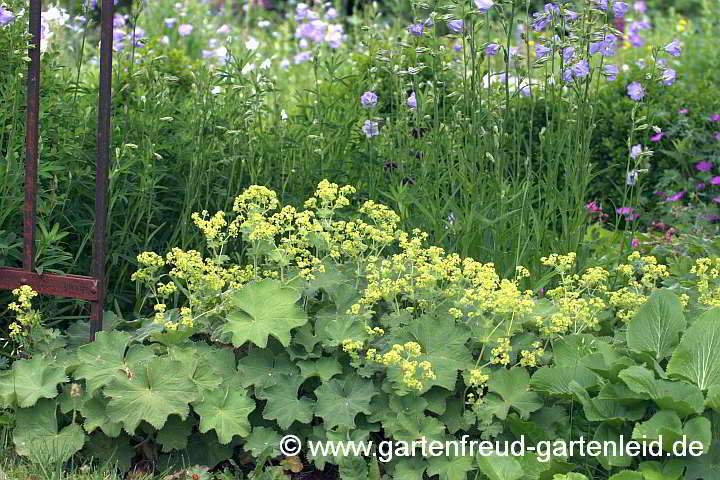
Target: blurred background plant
{"type": "Point", "coordinates": [491, 166]}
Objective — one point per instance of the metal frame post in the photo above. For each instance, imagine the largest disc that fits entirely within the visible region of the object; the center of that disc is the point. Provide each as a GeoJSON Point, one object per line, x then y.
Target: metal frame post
{"type": "Point", "coordinates": [88, 288]}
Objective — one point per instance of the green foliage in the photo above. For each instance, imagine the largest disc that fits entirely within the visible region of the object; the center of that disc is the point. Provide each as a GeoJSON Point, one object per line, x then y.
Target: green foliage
{"type": "Point", "coordinates": [421, 363]}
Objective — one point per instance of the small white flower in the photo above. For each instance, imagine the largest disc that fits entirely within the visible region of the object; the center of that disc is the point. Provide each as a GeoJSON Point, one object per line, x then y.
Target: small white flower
{"type": "Point", "coordinates": [252, 43]}
{"type": "Point", "coordinates": [248, 68]}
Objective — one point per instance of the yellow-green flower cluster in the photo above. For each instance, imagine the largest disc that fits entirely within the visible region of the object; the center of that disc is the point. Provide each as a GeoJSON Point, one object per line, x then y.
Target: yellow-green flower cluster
{"type": "Point", "coordinates": [561, 263]}
{"type": "Point", "coordinates": [212, 228]}
{"type": "Point", "coordinates": [26, 316]}
{"type": "Point", "coordinates": [500, 355]}
{"type": "Point", "coordinates": [150, 263]}
{"type": "Point", "coordinates": [478, 379]}
{"type": "Point", "coordinates": [403, 356]}
{"type": "Point", "coordinates": [642, 274]}
{"type": "Point", "coordinates": [529, 358]}
{"type": "Point", "coordinates": [707, 271]}
{"type": "Point", "coordinates": [423, 274]}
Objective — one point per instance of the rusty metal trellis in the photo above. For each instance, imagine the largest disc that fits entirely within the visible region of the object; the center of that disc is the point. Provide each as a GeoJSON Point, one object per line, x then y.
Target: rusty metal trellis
{"type": "Point", "coordinates": [71, 286]}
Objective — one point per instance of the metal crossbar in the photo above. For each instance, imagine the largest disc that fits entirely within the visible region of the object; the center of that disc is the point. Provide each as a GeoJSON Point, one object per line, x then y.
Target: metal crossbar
{"type": "Point", "coordinates": [91, 288]}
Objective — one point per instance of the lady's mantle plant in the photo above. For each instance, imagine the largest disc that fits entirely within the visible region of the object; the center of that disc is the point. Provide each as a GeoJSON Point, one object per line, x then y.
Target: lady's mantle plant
{"type": "Point", "coordinates": [331, 323]}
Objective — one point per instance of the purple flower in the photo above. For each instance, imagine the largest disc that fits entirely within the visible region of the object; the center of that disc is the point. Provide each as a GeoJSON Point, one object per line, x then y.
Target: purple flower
{"type": "Point", "coordinates": [638, 26]}
{"type": "Point", "coordinates": [302, 57]}
{"type": "Point", "coordinates": [673, 48]}
{"type": "Point", "coordinates": [636, 40]}
{"type": "Point", "coordinates": [635, 243]}
{"type": "Point", "coordinates": [491, 49]}
{"type": "Point", "coordinates": [542, 51]}
{"type": "Point", "coordinates": [632, 177]}
{"type": "Point", "coordinates": [715, 181]}
{"type": "Point", "coordinates": [568, 53]}
{"type": "Point", "coordinates": [716, 199]}
{"type": "Point", "coordinates": [169, 22]}
{"type": "Point", "coordinates": [412, 101]}
{"type": "Point", "coordinates": [602, 5]}
{"type": "Point", "coordinates": [620, 8]}
{"type": "Point", "coordinates": [716, 135]}
{"type": "Point", "coordinates": [570, 15]}
{"type": "Point", "coordinates": [581, 69]}
{"type": "Point", "coordinates": [456, 26]}
{"type": "Point", "coordinates": [699, 186]}
{"type": "Point", "coordinates": [368, 99]}
{"type": "Point", "coordinates": [6, 17]}
{"type": "Point", "coordinates": [636, 91]}
{"type": "Point", "coordinates": [703, 166]}
{"type": "Point", "coordinates": [331, 13]}
{"type": "Point", "coordinates": [658, 137]}
{"type": "Point", "coordinates": [610, 71]}
{"type": "Point", "coordinates": [185, 29]}
{"type": "Point", "coordinates": [550, 8]}
{"type": "Point", "coordinates": [416, 29]}
{"type": "Point", "coordinates": [640, 7]}
{"type": "Point", "coordinates": [484, 5]}
{"type": "Point", "coordinates": [525, 91]}
{"type": "Point", "coordinates": [669, 76]}
{"type": "Point", "coordinates": [676, 197]}
{"type": "Point", "coordinates": [541, 21]}
{"type": "Point", "coordinates": [457, 47]}
{"type": "Point", "coordinates": [370, 128]}
{"type": "Point", "coordinates": [682, 111]}
{"type": "Point", "coordinates": [284, 63]}
{"type": "Point", "coordinates": [118, 21]}
{"type": "Point", "coordinates": [715, 117]}
{"type": "Point", "coordinates": [635, 151]}
{"type": "Point", "coordinates": [223, 30]}
{"type": "Point", "coordinates": [568, 75]}
{"type": "Point", "coordinates": [606, 47]}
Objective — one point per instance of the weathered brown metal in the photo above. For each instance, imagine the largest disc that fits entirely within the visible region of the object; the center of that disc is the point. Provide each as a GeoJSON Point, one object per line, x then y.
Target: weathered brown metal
{"type": "Point", "coordinates": [102, 160]}
{"type": "Point", "coordinates": [31, 135]}
{"type": "Point", "coordinates": [71, 286]}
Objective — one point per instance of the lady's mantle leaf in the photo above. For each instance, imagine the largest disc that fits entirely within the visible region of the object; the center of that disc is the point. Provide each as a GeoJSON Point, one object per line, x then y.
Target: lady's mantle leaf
{"type": "Point", "coordinates": [339, 401]}
{"type": "Point", "coordinates": [267, 308]}
{"type": "Point", "coordinates": [36, 434]}
{"type": "Point", "coordinates": [105, 359]}
{"type": "Point", "coordinates": [697, 358]}
{"type": "Point", "coordinates": [657, 326]}
{"type": "Point", "coordinates": [157, 389]}
{"type": "Point", "coordinates": [226, 410]}
{"type": "Point", "coordinates": [510, 390]}
{"type": "Point", "coordinates": [28, 381]}
{"type": "Point", "coordinates": [497, 467]}
{"type": "Point", "coordinates": [283, 403]}
{"type": "Point", "coordinates": [443, 345]}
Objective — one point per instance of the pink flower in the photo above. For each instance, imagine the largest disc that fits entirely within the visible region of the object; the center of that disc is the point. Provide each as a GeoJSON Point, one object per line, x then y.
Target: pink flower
{"type": "Point", "coordinates": [716, 199]}
{"type": "Point", "coordinates": [703, 166]}
{"type": "Point", "coordinates": [715, 181]}
{"type": "Point", "coordinates": [683, 111]}
{"type": "Point", "coordinates": [635, 242]}
{"type": "Point", "coordinates": [716, 135]}
{"type": "Point", "coordinates": [676, 197]}
{"type": "Point", "coordinates": [715, 117]}
{"type": "Point", "coordinates": [658, 137]}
